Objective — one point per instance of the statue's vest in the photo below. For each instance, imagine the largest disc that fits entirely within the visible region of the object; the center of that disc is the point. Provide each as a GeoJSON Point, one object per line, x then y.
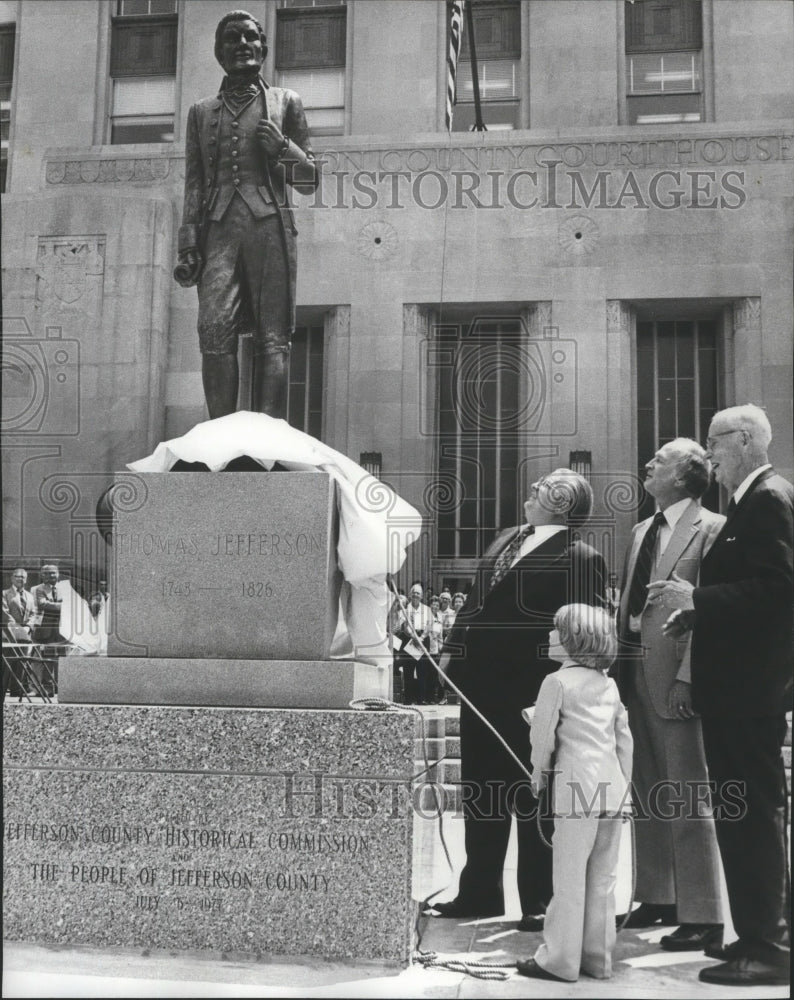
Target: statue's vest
{"type": "Point", "coordinates": [241, 164]}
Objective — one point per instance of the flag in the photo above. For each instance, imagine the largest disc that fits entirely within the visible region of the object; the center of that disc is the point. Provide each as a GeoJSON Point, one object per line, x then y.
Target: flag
{"type": "Point", "coordinates": [455, 42]}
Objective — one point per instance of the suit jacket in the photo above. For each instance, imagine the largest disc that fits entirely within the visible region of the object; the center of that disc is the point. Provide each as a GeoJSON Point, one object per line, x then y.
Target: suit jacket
{"type": "Point", "coordinates": [742, 637]}
{"type": "Point", "coordinates": [580, 730]}
{"type": "Point", "coordinates": [664, 660]}
{"type": "Point", "coordinates": [48, 629]}
{"type": "Point", "coordinates": [284, 109]}
{"type": "Point", "coordinates": [12, 607]}
{"type": "Point", "coordinates": [500, 637]}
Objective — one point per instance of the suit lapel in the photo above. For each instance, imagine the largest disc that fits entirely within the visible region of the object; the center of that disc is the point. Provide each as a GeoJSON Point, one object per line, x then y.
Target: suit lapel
{"type": "Point", "coordinates": [537, 561]}
{"type": "Point", "coordinates": [273, 103]}
{"type": "Point", "coordinates": [685, 530]}
{"type": "Point", "coordinates": [740, 506]}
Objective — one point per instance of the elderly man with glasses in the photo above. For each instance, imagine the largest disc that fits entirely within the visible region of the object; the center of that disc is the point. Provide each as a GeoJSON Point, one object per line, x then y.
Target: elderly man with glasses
{"type": "Point", "coordinates": [497, 654]}
{"type": "Point", "coordinates": [740, 613]}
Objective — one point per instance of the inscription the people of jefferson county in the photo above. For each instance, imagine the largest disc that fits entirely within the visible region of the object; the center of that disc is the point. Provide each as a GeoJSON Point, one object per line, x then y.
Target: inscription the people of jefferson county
{"type": "Point", "coordinates": [184, 840]}
{"type": "Point", "coordinates": [283, 545]}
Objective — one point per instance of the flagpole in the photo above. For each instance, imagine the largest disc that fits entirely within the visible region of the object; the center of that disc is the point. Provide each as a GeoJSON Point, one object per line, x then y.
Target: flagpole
{"type": "Point", "coordinates": [479, 125]}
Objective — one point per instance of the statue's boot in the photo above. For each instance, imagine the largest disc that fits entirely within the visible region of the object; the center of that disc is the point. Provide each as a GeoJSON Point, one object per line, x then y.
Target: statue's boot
{"type": "Point", "coordinates": [220, 374]}
{"type": "Point", "coordinates": [270, 384]}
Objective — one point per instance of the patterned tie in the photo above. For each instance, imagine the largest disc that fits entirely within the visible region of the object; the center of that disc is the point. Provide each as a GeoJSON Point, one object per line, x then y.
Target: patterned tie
{"type": "Point", "coordinates": [508, 554]}
{"type": "Point", "coordinates": [22, 601]}
{"type": "Point", "coordinates": [642, 571]}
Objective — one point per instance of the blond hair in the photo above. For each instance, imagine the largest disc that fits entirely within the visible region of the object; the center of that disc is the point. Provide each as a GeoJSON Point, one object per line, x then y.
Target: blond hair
{"type": "Point", "coordinates": [588, 635]}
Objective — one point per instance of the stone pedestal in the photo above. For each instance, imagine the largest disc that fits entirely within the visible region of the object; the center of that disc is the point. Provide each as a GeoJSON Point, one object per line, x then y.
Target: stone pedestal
{"type": "Point", "coordinates": [132, 680]}
{"type": "Point", "coordinates": [230, 564]}
{"type": "Point", "coordinates": [235, 830]}
{"type": "Point", "coordinates": [203, 787]}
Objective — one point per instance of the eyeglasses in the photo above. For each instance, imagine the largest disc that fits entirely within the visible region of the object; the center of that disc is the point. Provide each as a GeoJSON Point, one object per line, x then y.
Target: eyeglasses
{"type": "Point", "coordinates": [711, 442]}
{"type": "Point", "coordinates": [534, 489]}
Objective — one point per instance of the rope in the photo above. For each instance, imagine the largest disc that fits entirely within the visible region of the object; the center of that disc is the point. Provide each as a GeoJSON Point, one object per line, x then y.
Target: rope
{"type": "Point", "coordinates": [477, 970]}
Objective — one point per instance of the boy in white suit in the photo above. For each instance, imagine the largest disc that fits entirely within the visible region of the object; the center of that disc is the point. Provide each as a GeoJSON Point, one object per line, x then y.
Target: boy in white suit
{"type": "Point", "coordinates": [580, 732]}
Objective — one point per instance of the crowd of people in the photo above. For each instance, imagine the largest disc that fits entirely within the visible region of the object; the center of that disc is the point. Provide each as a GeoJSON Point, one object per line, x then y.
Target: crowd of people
{"type": "Point", "coordinates": [418, 625]}
{"type": "Point", "coordinates": [688, 729]}
{"type": "Point", "coordinates": [34, 633]}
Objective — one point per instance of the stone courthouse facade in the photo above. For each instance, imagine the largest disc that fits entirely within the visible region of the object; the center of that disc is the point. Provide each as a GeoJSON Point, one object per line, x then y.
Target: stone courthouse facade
{"type": "Point", "coordinates": [596, 273]}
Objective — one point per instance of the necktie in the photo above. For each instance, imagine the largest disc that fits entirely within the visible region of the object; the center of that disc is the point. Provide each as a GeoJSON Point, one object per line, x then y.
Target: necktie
{"type": "Point", "coordinates": [54, 593]}
{"type": "Point", "coordinates": [23, 603]}
{"type": "Point", "coordinates": [508, 554]}
{"type": "Point", "coordinates": [731, 506]}
{"type": "Point", "coordinates": [642, 571]}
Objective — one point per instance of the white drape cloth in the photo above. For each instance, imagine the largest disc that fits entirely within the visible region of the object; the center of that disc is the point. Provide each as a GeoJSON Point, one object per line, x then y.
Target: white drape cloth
{"type": "Point", "coordinates": [78, 627]}
{"type": "Point", "coordinates": [375, 525]}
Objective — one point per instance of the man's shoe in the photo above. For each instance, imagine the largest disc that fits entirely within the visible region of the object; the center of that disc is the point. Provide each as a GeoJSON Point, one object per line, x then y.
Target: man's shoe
{"type": "Point", "coordinates": [692, 937]}
{"type": "Point", "coordinates": [455, 908]}
{"type": "Point", "coordinates": [529, 967]}
{"type": "Point", "coordinates": [725, 952]}
{"type": "Point", "coordinates": [649, 914]}
{"type": "Point", "coordinates": [531, 922]}
{"type": "Point", "coordinates": [745, 971]}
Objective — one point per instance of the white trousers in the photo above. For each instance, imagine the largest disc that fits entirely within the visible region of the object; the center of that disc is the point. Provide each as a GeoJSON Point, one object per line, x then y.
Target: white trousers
{"type": "Point", "coordinates": [579, 932]}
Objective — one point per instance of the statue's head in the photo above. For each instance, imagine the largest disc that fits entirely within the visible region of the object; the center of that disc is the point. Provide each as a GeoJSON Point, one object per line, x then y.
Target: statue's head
{"type": "Point", "coordinates": [240, 43]}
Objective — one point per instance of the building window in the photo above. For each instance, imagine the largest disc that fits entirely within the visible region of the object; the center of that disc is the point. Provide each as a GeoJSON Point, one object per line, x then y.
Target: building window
{"type": "Point", "coordinates": [143, 70]}
{"type": "Point", "coordinates": [311, 38]}
{"type": "Point", "coordinates": [478, 386]}
{"type": "Point", "coordinates": [7, 40]}
{"type": "Point", "coordinates": [677, 388]}
{"type": "Point", "coordinates": [664, 61]}
{"type": "Point", "coordinates": [497, 37]}
{"type": "Point", "coordinates": [305, 392]}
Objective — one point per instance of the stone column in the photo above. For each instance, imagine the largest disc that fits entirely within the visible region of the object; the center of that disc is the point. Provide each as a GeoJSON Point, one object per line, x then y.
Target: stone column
{"type": "Point", "coordinates": [747, 350]}
{"type": "Point", "coordinates": [617, 488]}
{"type": "Point", "coordinates": [336, 377]}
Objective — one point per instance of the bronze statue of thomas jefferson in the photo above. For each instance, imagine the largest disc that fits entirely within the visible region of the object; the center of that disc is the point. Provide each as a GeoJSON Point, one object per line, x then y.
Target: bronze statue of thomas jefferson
{"type": "Point", "coordinates": [237, 239]}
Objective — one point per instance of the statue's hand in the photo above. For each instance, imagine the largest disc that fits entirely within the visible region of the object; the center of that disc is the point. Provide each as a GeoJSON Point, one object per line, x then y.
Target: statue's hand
{"type": "Point", "coordinates": [188, 268]}
{"type": "Point", "coordinates": [271, 138]}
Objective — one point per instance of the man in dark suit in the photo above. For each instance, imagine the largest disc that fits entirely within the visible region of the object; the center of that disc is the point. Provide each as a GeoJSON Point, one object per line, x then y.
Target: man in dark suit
{"type": "Point", "coordinates": [496, 655]}
{"type": "Point", "coordinates": [48, 606]}
{"type": "Point", "coordinates": [741, 619]}
{"type": "Point", "coordinates": [237, 240]}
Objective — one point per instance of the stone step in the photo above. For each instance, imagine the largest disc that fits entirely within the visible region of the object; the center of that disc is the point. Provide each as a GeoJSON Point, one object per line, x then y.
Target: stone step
{"type": "Point", "coordinates": [450, 796]}
{"type": "Point", "coordinates": [453, 725]}
{"type": "Point", "coordinates": [435, 748]}
{"type": "Point", "coordinates": [434, 727]}
{"type": "Point", "coordinates": [787, 740]}
{"type": "Point", "coordinates": [453, 747]}
{"type": "Point", "coordinates": [452, 771]}
{"type": "Point", "coordinates": [786, 755]}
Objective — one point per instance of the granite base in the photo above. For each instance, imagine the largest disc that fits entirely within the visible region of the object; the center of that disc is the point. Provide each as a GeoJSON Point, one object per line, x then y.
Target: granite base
{"type": "Point", "coordinates": [262, 831]}
{"type": "Point", "coordinates": [118, 680]}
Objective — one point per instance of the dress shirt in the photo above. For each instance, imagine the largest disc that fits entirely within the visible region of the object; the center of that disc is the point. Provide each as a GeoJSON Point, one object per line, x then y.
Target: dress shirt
{"type": "Point", "coordinates": [537, 538]}
{"type": "Point", "coordinates": [748, 481]}
{"type": "Point", "coordinates": [671, 515]}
